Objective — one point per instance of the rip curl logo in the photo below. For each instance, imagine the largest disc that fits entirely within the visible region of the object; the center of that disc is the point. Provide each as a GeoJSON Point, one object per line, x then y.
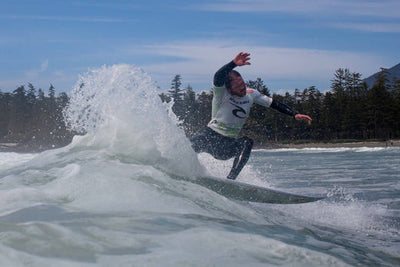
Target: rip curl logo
{"type": "Point", "coordinates": [238, 111]}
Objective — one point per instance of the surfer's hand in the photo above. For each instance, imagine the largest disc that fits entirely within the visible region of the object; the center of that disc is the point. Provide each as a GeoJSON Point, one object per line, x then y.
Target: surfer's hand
{"type": "Point", "coordinates": [301, 117]}
{"type": "Point", "coordinates": [242, 59]}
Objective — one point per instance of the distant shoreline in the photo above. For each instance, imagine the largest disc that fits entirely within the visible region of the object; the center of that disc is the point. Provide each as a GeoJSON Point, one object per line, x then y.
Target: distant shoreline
{"type": "Point", "coordinates": [389, 143]}
{"type": "Point", "coordinates": [14, 147]}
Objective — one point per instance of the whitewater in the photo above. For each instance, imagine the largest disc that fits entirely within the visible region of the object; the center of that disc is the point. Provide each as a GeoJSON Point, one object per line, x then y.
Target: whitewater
{"type": "Point", "coordinates": [109, 198]}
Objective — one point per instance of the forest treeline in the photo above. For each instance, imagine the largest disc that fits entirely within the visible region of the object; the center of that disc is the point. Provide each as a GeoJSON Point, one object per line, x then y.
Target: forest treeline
{"type": "Point", "coordinates": [33, 119]}
{"type": "Point", "coordinates": [349, 110]}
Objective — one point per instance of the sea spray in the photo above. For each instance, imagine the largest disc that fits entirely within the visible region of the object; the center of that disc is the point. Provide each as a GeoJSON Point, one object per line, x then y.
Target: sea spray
{"type": "Point", "coordinates": [119, 110]}
{"type": "Point", "coordinates": [87, 204]}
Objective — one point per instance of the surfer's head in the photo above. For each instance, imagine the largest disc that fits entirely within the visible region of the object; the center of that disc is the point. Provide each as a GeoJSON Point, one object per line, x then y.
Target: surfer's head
{"type": "Point", "coordinates": [235, 84]}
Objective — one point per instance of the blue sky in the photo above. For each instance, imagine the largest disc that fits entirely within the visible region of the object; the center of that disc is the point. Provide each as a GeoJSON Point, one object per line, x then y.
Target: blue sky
{"type": "Point", "coordinates": [293, 44]}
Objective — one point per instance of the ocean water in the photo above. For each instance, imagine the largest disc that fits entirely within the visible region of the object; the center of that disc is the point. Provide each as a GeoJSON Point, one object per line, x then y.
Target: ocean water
{"type": "Point", "coordinates": [108, 198]}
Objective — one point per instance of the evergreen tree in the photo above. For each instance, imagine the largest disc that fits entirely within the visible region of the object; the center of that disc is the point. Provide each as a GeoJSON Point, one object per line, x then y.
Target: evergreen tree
{"type": "Point", "coordinates": [353, 110]}
{"type": "Point", "coordinates": [339, 100]}
{"type": "Point", "coordinates": [30, 108]}
{"type": "Point", "coordinates": [41, 97]}
{"type": "Point", "coordinates": [18, 112]}
{"type": "Point", "coordinates": [5, 111]}
{"type": "Point", "coordinates": [396, 109]}
{"type": "Point", "coordinates": [189, 111]}
{"type": "Point", "coordinates": [204, 109]}
{"type": "Point", "coordinates": [52, 93]}
{"type": "Point", "coordinates": [31, 96]}
{"type": "Point", "coordinates": [313, 106]}
{"type": "Point", "coordinates": [379, 104]}
{"type": "Point", "coordinates": [329, 117]}
{"type": "Point", "coordinates": [259, 85]}
{"type": "Point", "coordinates": [176, 94]}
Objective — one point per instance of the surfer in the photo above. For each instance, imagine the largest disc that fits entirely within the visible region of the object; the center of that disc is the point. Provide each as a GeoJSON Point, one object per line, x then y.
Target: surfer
{"type": "Point", "coordinates": [231, 105]}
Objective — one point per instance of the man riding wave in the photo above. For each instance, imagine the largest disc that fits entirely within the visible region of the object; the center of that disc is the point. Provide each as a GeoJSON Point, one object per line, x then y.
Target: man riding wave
{"type": "Point", "coordinates": [231, 105]}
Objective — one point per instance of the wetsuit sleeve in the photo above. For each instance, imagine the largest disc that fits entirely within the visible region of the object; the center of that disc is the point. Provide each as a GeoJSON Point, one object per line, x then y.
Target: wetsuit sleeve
{"type": "Point", "coordinates": [219, 77]}
{"type": "Point", "coordinates": [279, 106]}
{"type": "Point", "coordinates": [259, 98]}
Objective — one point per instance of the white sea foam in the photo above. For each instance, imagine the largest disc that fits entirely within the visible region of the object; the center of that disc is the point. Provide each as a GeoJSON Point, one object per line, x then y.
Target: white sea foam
{"type": "Point", "coordinates": [11, 159]}
{"type": "Point", "coordinates": [120, 110]}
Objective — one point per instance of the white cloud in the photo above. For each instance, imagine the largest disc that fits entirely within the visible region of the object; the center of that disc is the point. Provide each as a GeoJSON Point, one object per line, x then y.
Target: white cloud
{"type": "Point", "coordinates": [60, 18]}
{"type": "Point", "coordinates": [44, 65]}
{"type": "Point", "coordinates": [371, 27]}
{"type": "Point", "coordinates": [35, 72]}
{"type": "Point", "coordinates": [202, 58]}
{"type": "Point", "coordinates": [383, 8]}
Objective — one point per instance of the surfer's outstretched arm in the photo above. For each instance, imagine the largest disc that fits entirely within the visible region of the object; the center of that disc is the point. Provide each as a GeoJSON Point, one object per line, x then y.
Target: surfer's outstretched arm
{"type": "Point", "coordinates": [240, 59]}
{"type": "Point", "coordinates": [277, 105]}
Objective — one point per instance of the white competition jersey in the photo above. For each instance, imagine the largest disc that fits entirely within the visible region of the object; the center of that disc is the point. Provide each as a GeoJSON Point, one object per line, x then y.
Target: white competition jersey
{"type": "Point", "coordinates": [229, 112]}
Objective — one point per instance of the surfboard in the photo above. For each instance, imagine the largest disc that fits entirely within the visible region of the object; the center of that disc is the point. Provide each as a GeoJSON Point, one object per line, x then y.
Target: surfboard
{"type": "Point", "coordinates": [247, 192]}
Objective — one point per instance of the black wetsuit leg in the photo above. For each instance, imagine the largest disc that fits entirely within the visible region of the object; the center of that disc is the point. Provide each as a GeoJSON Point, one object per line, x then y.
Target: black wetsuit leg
{"type": "Point", "coordinates": [219, 146]}
{"type": "Point", "coordinates": [246, 144]}
{"type": "Point", "coordinates": [223, 148]}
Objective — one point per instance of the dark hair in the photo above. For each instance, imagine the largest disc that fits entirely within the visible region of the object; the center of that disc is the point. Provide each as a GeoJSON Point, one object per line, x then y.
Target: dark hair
{"type": "Point", "coordinates": [229, 76]}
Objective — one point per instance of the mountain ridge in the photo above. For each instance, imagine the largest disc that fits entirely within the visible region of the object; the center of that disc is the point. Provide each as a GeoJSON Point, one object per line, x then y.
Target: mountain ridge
{"type": "Point", "coordinates": [393, 72]}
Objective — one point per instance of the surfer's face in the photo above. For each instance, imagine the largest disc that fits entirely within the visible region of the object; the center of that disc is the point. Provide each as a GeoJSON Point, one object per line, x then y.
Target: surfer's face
{"type": "Point", "coordinates": [238, 87]}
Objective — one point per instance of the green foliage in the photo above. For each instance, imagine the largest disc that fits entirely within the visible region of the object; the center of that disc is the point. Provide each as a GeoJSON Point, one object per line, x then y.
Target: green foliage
{"type": "Point", "coordinates": [349, 111]}
{"type": "Point", "coordinates": [33, 121]}
{"type": "Point", "coordinates": [176, 91]}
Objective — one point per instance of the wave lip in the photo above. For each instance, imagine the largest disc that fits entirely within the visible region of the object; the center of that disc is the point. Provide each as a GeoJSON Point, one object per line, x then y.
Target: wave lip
{"type": "Point", "coordinates": [119, 109]}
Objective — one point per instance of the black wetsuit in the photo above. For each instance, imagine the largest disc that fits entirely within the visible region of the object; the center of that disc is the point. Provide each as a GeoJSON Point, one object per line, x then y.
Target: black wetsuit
{"type": "Point", "coordinates": [229, 113]}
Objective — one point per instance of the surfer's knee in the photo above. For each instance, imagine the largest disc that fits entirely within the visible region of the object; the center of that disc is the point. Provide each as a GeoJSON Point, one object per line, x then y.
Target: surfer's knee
{"type": "Point", "coordinates": [249, 142]}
